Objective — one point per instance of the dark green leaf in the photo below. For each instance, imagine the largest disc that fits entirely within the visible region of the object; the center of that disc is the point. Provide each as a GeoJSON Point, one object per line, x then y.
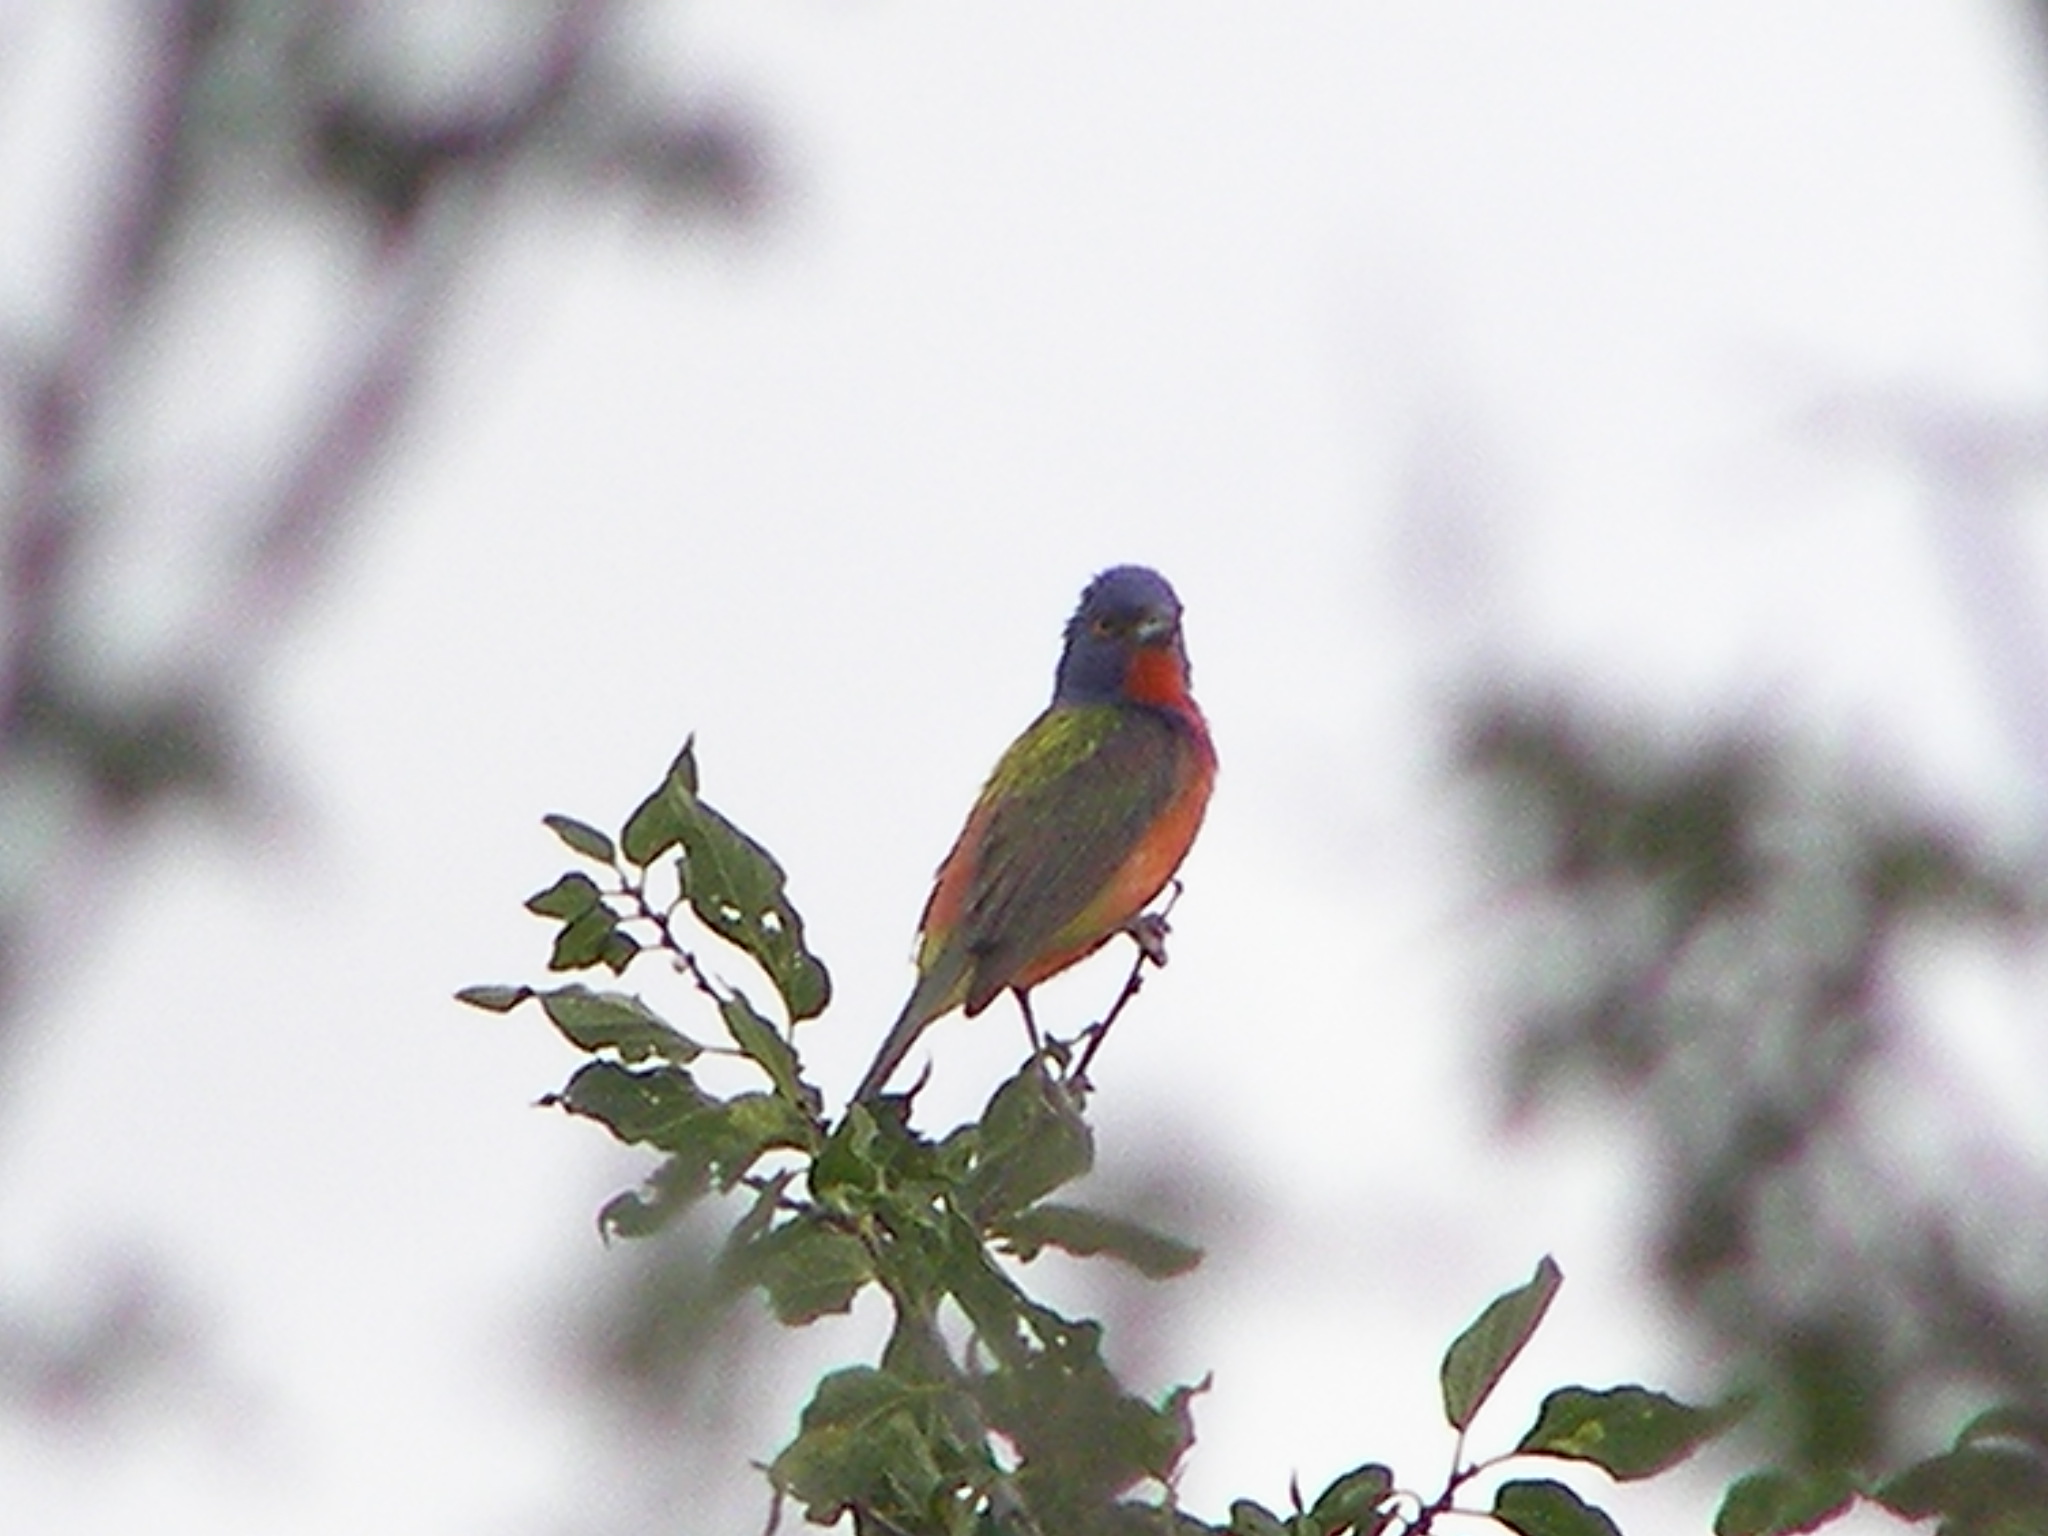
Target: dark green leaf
{"type": "Point", "coordinates": [871, 1438]}
{"type": "Point", "coordinates": [736, 890]}
{"type": "Point", "coordinates": [1629, 1432]}
{"type": "Point", "coordinates": [807, 1268]}
{"type": "Point", "coordinates": [585, 839]}
{"type": "Point", "coordinates": [733, 884]}
{"type": "Point", "coordinates": [496, 998]}
{"type": "Point", "coordinates": [849, 1167]}
{"type": "Point", "coordinates": [1979, 1487]}
{"type": "Point", "coordinates": [662, 1107]}
{"type": "Point", "coordinates": [711, 1140]}
{"type": "Point", "coordinates": [1478, 1357]}
{"type": "Point", "coordinates": [1775, 1503]}
{"type": "Point", "coordinates": [651, 830]}
{"type": "Point", "coordinates": [654, 827]}
{"type": "Point", "coordinates": [754, 1123]}
{"type": "Point", "coordinates": [1082, 1231]}
{"type": "Point", "coordinates": [1031, 1140]}
{"type": "Point", "coordinates": [1352, 1502]}
{"type": "Point", "coordinates": [683, 770]}
{"type": "Point", "coordinates": [1248, 1517]}
{"type": "Point", "coordinates": [568, 898]}
{"type": "Point", "coordinates": [619, 949]}
{"type": "Point", "coordinates": [759, 1040]}
{"type": "Point", "coordinates": [1538, 1507]}
{"type": "Point", "coordinates": [583, 941]}
{"type": "Point", "coordinates": [669, 1191]}
{"type": "Point", "coordinates": [1081, 1439]}
{"type": "Point", "coordinates": [650, 1105]}
{"type": "Point", "coordinates": [614, 1021]}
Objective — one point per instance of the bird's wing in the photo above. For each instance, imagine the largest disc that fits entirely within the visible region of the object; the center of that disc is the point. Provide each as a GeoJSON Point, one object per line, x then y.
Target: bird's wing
{"type": "Point", "coordinates": [1063, 811]}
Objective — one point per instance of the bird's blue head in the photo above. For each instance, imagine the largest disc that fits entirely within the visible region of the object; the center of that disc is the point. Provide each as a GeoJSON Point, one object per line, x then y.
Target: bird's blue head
{"type": "Point", "coordinates": [1129, 614]}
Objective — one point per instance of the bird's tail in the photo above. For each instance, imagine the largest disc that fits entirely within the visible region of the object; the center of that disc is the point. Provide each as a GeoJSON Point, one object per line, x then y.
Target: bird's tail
{"type": "Point", "coordinates": [917, 1013]}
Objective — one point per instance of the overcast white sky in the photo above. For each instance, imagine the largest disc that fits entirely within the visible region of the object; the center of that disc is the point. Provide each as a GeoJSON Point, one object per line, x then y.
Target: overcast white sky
{"type": "Point", "coordinates": [1221, 288]}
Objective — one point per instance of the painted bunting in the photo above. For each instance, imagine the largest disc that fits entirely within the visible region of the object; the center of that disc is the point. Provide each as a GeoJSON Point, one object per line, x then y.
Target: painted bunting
{"type": "Point", "coordinates": [1081, 824]}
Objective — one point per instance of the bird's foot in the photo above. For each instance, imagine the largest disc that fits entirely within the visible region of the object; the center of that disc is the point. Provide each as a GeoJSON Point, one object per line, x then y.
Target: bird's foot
{"type": "Point", "coordinates": [1148, 930]}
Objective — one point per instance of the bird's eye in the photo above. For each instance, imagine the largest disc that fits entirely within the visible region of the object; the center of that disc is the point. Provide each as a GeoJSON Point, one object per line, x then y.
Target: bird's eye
{"type": "Point", "coordinates": [1102, 629]}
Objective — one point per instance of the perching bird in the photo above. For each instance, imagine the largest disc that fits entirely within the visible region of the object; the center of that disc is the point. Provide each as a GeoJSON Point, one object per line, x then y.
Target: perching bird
{"type": "Point", "coordinates": [1082, 823]}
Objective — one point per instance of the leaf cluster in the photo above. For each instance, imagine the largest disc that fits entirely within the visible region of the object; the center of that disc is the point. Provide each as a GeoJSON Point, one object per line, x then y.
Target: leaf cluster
{"type": "Point", "coordinates": [1993, 1481]}
{"type": "Point", "coordinates": [988, 1408]}
{"type": "Point", "coordinates": [1627, 1432]}
{"type": "Point", "coordinates": [988, 1411]}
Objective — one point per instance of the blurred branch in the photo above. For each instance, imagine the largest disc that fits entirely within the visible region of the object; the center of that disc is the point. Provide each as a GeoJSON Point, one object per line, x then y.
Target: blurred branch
{"type": "Point", "coordinates": [239, 110]}
{"type": "Point", "coordinates": [421, 178]}
{"type": "Point", "coordinates": [1720, 937]}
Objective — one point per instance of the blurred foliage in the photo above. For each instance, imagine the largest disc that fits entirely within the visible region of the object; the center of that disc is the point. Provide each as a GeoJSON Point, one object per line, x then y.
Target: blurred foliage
{"type": "Point", "coordinates": [1719, 940]}
{"type": "Point", "coordinates": [205, 123]}
{"type": "Point", "coordinates": [989, 1411]}
{"type": "Point", "coordinates": [238, 112]}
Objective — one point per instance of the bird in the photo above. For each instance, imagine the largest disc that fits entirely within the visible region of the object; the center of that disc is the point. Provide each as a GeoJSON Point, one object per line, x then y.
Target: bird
{"type": "Point", "coordinates": [1083, 821]}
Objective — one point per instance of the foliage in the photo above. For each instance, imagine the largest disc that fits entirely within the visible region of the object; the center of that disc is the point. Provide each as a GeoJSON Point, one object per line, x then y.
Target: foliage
{"type": "Point", "coordinates": [988, 1410]}
{"type": "Point", "coordinates": [1713, 935]}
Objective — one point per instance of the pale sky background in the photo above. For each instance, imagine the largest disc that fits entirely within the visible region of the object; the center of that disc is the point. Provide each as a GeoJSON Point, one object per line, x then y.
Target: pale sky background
{"type": "Point", "coordinates": [1220, 288]}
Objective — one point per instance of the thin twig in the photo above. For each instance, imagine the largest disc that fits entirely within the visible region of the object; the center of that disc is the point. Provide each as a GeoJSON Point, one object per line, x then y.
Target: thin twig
{"type": "Point", "coordinates": [685, 960]}
{"type": "Point", "coordinates": [1148, 931]}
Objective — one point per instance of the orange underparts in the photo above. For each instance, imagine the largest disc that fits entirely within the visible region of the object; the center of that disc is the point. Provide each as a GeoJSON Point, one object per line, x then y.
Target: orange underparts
{"type": "Point", "coordinates": [1141, 877]}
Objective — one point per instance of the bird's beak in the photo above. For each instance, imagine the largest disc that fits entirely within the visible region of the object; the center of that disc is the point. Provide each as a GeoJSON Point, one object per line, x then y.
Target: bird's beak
{"type": "Point", "coordinates": [1155, 627]}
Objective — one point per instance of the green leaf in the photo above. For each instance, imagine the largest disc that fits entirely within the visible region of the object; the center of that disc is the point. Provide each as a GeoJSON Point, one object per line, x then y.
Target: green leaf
{"type": "Point", "coordinates": [1538, 1507]}
{"type": "Point", "coordinates": [650, 831]}
{"type": "Point", "coordinates": [568, 898]}
{"type": "Point", "coordinates": [663, 1107]}
{"type": "Point", "coordinates": [755, 1122]}
{"type": "Point", "coordinates": [733, 884]}
{"type": "Point", "coordinates": [847, 1168]}
{"type": "Point", "coordinates": [710, 1140]}
{"type": "Point", "coordinates": [582, 837]}
{"type": "Point", "coordinates": [1980, 1487]}
{"type": "Point", "coordinates": [1031, 1140]}
{"type": "Point", "coordinates": [669, 1191]}
{"type": "Point", "coordinates": [870, 1438]}
{"type": "Point", "coordinates": [1080, 1437]}
{"type": "Point", "coordinates": [683, 770]}
{"type": "Point", "coordinates": [1248, 1517]}
{"type": "Point", "coordinates": [1079, 1230]}
{"type": "Point", "coordinates": [1629, 1432]}
{"type": "Point", "coordinates": [654, 827]}
{"type": "Point", "coordinates": [584, 941]}
{"type": "Point", "coordinates": [619, 949]}
{"type": "Point", "coordinates": [648, 1105]}
{"type": "Point", "coordinates": [496, 998]}
{"type": "Point", "coordinates": [758, 1038]}
{"type": "Point", "coordinates": [736, 889]}
{"type": "Point", "coordinates": [1352, 1502]}
{"type": "Point", "coordinates": [1478, 1357]}
{"type": "Point", "coordinates": [1776, 1503]}
{"type": "Point", "coordinates": [614, 1021]}
{"type": "Point", "coordinates": [807, 1268]}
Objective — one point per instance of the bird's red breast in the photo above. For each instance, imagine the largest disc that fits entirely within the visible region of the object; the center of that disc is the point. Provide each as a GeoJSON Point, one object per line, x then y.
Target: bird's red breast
{"type": "Point", "coordinates": [1158, 675]}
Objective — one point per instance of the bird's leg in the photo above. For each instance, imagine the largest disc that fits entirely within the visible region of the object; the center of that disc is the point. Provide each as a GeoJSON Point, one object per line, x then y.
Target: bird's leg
{"type": "Point", "coordinates": [1030, 1026]}
{"type": "Point", "coordinates": [1148, 931]}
